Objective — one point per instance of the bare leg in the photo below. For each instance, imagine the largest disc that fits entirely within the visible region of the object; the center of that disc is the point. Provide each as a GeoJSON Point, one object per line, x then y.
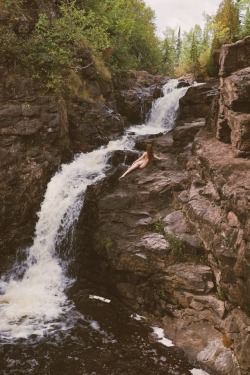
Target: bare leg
{"type": "Point", "coordinates": [130, 169]}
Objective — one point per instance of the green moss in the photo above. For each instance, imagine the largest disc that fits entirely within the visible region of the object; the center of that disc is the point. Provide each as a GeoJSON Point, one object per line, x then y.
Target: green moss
{"type": "Point", "coordinates": [221, 294]}
{"type": "Point", "coordinates": [178, 246]}
{"type": "Point", "coordinates": [105, 242]}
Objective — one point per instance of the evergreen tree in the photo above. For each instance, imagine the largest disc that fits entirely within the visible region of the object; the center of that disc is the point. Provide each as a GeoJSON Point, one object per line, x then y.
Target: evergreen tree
{"type": "Point", "coordinates": [169, 51]}
{"type": "Point", "coordinates": [178, 46]}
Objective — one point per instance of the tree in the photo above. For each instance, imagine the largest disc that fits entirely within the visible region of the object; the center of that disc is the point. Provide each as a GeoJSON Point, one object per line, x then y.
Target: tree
{"type": "Point", "coordinates": [192, 46]}
{"type": "Point", "coordinates": [169, 51]}
{"type": "Point", "coordinates": [178, 46]}
{"type": "Point", "coordinates": [226, 23]}
{"type": "Point", "coordinates": [133, 35]}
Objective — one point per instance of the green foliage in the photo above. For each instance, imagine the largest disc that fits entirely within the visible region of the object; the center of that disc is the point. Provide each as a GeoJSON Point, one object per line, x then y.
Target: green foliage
{"type": "Point", "coordinates": [159, 227]}
{"type": "Point", "coordinates": [178, 246]}
{"type": "Point", "coordinates": [54, 44]}
{"type": "Point", "coordinates": [121, 35]}
{"type": "Point", "coordinates": [105, 242]}
{"type": "Point", "coordinates": [121, 31]}
{"type": "Point", "coordinates": [132, 34]}
{"type": "Point", "coordinates": [226, 22]}
{"type": "Point", "coordinates": [221, 294]}
{"type": "Point", "coordinates": [192, 48]}
{"type": "Point", "coordinates": [171, 49]}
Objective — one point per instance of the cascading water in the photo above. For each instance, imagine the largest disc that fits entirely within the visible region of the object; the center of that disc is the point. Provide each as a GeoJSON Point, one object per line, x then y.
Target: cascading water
{"type": "Point", "coordinates": [164, 111]}
{"type": "Point", "coordinates": [28, 306]}
{"type": "Point", "coordinates": [32, 304]}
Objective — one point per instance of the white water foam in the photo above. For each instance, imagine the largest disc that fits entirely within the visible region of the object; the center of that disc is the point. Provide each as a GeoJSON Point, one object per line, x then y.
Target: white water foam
{"type": "Point", "coordinates": [196, 371]}
{"type": "Point", "coordinates": [159, 333]}
{"type": "Point", "coordinates": [36, 303]}
{"type": "Point", "coordinates": [28, 306]}
{"type": "Point", "coordinates": [164, 111]}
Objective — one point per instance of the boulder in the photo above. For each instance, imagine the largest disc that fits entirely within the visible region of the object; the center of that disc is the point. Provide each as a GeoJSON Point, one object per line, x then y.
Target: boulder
{"type": "Point", "coordinates": [234, 57]}
{"type": "Point", "coordinates": [196, 103]}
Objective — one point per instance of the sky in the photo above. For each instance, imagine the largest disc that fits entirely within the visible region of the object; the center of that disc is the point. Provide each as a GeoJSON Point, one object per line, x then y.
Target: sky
{"type": "Point", "coordinates": [183, 13]}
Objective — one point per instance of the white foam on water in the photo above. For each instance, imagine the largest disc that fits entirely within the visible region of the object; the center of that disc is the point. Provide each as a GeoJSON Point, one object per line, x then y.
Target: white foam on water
{"type": "Point", "coordinates": [196, 371]}
{"type": "Point", "coordinates": [164, 111]}
{"type": "Point", "coordinates": [28, 305]}
{"type": "Point", "coordinates": [159, 333]}
{"type": "Point", "coordinates": [106, 300]}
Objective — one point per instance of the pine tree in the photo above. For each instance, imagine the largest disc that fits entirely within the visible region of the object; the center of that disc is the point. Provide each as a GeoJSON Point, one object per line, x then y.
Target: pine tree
{"type": "Point", "coordinates": [178, 46]}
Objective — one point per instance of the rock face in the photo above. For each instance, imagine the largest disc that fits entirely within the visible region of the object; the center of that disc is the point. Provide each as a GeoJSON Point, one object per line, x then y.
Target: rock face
{"type": "Point", "coordinates": [92, 125]}
{"type": "Point", "coordinates": [33, 142]}
{"type": "Point", "coordinates": [135, 92]}
{"type": "Point", "coordinates": [173, 238]}
{"type": "Point", "coordinates": [198, 101]}
{"type": "Point", "coordinates": [234, 113]}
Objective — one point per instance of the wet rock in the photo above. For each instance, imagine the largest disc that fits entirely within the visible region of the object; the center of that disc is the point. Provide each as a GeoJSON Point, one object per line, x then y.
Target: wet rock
{"type": "Point", "coordinates": [221, 357]}
{"type": "Point", "coordinates": [34, 133]}
{"type": "Point", "coordinates": [135, 92]}
{"type": "Point", "coordinates": [92, 124]}
{"type": "Point", "coordinates": [185, 133]}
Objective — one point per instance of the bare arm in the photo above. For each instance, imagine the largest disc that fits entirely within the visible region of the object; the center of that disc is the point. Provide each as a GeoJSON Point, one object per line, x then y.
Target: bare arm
{"type": "Point", "coordinates": [158, 158]}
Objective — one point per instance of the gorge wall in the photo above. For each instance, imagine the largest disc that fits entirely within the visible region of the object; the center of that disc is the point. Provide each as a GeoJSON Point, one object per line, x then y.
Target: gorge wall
{"type": "Point", "coordinates": [173, 239]}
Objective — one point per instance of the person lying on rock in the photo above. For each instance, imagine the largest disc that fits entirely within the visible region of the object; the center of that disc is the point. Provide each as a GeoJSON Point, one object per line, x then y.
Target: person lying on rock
{"type": "Point", "coordinates": [143, 161]}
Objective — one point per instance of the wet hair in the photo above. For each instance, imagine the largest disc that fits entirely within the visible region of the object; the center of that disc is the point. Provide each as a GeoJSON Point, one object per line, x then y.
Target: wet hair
{"type": "Point", "coordinates": [150, 151]}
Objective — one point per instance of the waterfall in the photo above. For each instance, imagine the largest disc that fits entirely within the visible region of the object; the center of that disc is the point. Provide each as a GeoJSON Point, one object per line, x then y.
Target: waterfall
{"type": "Point", "coordinates": [36, 303]}
{"type": "Point", "coordinates": [164, 111]}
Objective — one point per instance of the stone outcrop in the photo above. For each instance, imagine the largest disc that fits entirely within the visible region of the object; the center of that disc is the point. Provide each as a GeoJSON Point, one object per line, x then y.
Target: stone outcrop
{"type": "Point", "coordinates": [198, 101]}
{"type": "Point", "coordinates": [161, 264]}
{"type": "Point", "coordinates": [33, 143]}
{"type": "Point", "coordinates": [234, 114]}
{"type": "Point", "coordinates": [92, 125]}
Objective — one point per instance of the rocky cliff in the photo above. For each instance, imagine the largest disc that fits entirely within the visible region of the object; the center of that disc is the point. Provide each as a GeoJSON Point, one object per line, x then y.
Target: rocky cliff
{"type": "Point", "coordinates": [173, 239]}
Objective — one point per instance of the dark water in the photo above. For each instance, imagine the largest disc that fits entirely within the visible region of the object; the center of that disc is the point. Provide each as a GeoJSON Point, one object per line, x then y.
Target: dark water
{"type": "Point", "coordinates": [104, 340]}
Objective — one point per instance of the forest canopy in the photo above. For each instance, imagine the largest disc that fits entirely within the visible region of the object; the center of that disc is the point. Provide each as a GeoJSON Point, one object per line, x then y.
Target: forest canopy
{"type": "Point", "coordinates": [121, 35]}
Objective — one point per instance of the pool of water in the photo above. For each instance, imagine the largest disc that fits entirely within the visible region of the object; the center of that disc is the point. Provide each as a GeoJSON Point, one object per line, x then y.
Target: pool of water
{"type": "Point", "coordinates": [99, 337]}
